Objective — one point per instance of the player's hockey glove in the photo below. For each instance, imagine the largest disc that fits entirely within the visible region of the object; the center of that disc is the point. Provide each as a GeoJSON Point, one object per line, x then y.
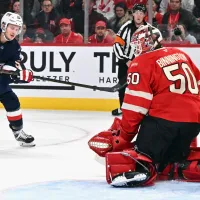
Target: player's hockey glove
{"type": "Point", "coordinates": [21, 75]}
{"type": "Point", "coordinates": [24, 76]}
{"type": "Point", "coordinates": [111, 140]}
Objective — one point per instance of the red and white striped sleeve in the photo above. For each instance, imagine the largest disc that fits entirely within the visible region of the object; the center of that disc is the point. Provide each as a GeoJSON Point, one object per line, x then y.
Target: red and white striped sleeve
{"type": "Point", "coordinates": [138, 96]}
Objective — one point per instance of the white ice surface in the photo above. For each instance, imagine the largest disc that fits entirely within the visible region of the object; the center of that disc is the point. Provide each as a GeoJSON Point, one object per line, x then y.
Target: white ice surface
{"type": "Point", "coordinates": [61, 166]}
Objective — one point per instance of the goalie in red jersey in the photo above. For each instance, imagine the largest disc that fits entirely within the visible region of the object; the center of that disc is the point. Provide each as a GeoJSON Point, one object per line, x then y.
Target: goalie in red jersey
{"type": "Point", "coordinates": [162, 107]}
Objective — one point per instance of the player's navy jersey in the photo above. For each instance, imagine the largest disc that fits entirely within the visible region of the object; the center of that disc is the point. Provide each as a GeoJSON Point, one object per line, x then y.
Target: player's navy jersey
{"type": "Point", "coordinates": [9, 53]}
{"type": "Point", "coordinates": [164, 84]}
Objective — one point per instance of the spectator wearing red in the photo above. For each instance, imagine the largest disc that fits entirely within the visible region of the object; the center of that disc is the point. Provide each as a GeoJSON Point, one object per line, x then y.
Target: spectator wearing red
{"type": "Point", "coordinates": [67, 36]}
{"type": "Point", "coordinates": [101, 35]}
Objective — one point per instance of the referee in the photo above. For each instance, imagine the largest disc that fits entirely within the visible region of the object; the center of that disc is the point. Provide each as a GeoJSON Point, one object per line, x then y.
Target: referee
{"type": "Point", "coordinates": [122, 48]}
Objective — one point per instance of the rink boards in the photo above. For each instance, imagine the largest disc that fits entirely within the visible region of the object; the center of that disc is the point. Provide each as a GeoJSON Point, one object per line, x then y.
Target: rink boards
{"type": "Point", "coordinates": [89, 65]}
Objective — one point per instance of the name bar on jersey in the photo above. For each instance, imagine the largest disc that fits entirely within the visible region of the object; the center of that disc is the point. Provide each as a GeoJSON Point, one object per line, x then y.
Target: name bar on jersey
{"type": "Point", "coordinates": [167, 60]}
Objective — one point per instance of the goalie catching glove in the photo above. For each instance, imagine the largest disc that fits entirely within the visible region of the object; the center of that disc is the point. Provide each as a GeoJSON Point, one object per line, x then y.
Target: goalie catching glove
{"type": "Point", "coordinates": [114, 139]}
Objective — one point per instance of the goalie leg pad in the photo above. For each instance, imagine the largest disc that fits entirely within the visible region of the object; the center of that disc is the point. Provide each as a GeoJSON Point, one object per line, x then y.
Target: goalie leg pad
{"type": "Point", "coordinates": [129, 169]}
{"type": "Point", "coordinates": [188, 170]}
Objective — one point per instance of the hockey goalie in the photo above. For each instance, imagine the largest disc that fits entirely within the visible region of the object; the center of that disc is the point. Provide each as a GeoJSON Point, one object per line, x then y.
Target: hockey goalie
{"type": "Point", "coordinates": [161, 113]}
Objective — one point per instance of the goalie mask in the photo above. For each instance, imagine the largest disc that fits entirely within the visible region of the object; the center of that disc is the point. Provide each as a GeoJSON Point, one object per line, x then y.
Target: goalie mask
{"type": "Point", "coordinates": [146, 38]}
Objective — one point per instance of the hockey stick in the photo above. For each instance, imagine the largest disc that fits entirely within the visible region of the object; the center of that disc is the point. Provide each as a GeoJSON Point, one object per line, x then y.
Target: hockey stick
{"type": "Point", "coordinates": [115, 88]}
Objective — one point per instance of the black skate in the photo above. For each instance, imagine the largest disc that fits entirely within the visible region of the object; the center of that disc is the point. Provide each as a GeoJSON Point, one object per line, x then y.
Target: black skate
{"type": "Point", "coordinates": [116, 112]}
{"type": "Point", "coordinates": [24, 139]}
{"type": "Point", "coordinates": [130, 179]}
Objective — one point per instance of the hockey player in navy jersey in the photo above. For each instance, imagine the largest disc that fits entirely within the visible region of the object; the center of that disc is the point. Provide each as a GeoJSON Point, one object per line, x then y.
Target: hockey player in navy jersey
{"type": "Point", "coordinates": [11, 26]}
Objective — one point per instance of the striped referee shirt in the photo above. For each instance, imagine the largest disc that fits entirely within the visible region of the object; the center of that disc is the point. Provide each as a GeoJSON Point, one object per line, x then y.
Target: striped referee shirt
{"type": "Point", "coordinates": [121, 47]}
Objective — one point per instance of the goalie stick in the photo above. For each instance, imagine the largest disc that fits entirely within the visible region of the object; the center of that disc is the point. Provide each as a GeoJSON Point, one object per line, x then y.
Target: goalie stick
{"type": "Point", "coordinates": [115, 88]}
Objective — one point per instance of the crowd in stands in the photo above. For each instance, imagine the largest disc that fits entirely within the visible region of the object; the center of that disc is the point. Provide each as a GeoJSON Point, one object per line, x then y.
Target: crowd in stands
{"type": "Point", "coordinates": [62, 21]}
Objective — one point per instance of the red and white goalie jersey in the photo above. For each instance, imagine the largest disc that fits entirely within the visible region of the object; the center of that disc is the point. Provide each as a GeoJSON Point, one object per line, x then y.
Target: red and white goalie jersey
{"type": "Point", "coordinates": [162, 84]}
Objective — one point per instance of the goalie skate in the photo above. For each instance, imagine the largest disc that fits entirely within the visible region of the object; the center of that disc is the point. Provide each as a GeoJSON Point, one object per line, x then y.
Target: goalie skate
{"type": "Point", "coordinates": [23, 139]}
{"type": "Point", "coordinates": [129, 179]}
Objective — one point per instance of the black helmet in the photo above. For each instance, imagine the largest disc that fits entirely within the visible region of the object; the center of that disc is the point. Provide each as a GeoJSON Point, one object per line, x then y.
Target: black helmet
{"type": "Point", "coordinates": [139, 7]}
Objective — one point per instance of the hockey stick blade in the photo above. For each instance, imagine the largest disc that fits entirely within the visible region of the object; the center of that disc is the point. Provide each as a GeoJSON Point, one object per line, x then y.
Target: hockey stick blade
{"type": "Point", "coordinates": [115, 88]}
